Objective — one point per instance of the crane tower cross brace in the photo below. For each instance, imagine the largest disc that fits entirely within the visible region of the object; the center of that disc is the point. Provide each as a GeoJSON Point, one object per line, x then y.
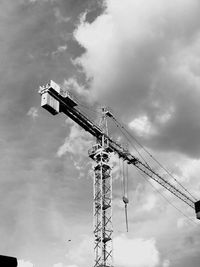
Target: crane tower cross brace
{"type": "Point", "coordinates": [55, 100]}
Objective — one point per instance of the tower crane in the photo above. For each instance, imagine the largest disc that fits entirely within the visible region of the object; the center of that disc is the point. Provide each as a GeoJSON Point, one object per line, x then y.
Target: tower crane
{"type": "Point", "coordinates": [55, 100]}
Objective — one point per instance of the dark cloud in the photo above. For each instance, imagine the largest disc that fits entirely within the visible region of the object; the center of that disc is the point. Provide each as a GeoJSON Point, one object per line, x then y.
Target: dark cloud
{"type": "Point", "coordinates": [35, 184]}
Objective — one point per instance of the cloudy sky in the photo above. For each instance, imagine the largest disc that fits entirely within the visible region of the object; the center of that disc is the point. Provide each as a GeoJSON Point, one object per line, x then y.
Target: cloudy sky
{"type": "Point", "coordinates": [142, 59]}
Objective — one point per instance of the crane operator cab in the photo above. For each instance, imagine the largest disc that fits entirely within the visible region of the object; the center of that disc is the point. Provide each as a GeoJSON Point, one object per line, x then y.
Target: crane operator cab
{"type": "Point", "coordinates": [197, 209]}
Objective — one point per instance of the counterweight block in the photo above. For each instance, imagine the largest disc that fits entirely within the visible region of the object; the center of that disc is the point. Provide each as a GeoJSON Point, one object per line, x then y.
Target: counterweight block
{"type": "Point", "coordinates": [49, 103]}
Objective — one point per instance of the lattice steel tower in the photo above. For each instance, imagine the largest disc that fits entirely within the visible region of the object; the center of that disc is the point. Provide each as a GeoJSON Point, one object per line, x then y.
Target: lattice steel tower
{"type": "Point", "coordinates": [102, 199]}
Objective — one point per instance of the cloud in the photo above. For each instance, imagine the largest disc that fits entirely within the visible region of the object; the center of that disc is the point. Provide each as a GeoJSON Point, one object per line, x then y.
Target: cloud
{"type": "Point", "coordinates": [142, 126]}
{"type": "Point", "coordinates": [59, 16]}
{"type": "Point", "coordinates": [135, 252]}
{"type": "Point", "coordinates": [181, 222]}
{"type": "Point", "coordinates": [150, 203]}
{"type": "Point", "coordinates": [62, 265]}
{"type": "Point", "coordinates": [59, 50]}
{"type": "Point", "coordinates": [142, 59]}
{"type": "Point", "coordinates": [127, 252]}
{"type": "Point", "coordinates": [77, 143]}
{"type": "Point", "coordinates": [72, 85]}
{"type": "Point", "coordinates": [82, 255]}
{"type": "Point", "coordinates": [30, 33]}
{"type": "Point", "coordinates": [22, 263]}
{"type": "Point", "coordinates": [166, 263]}
{"type": "Point", "coordinates": [39, 1]}
{"type": "Point", "coordinates": [42, 203]}
{"type": "Point", "coordinates": [33, 112]}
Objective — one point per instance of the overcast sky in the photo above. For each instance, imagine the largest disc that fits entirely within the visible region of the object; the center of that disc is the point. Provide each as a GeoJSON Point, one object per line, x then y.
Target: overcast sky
{"type": "Point", "coordinates": [142, 59]}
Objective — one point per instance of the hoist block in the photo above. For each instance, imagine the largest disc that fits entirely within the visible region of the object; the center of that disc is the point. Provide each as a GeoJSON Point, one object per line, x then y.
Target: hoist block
{"type": "Point", "coordinates": [125, 200]}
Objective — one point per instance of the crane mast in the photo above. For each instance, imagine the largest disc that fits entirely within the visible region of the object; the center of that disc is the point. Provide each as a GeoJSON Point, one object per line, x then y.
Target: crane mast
{"type": "Point", "coordinates": [102, 199]}
{"type": "Point", "coordinates": [55, 100]}
{"type": "Point", "coordinates": [102, 207]}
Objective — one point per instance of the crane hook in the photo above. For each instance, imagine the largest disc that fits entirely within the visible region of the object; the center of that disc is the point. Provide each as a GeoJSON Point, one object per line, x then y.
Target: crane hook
{"type": "Point", "coordinates": [125, 200]}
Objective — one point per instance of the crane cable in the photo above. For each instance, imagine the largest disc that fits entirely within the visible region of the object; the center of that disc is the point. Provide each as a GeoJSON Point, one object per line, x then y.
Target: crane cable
{"type": "Point", "coordinates": [127, 182]}
{"type": "Point", "coordinates": [122, 127]}
{"type": "Point", "coordinates": [166, 199]}
{"type": "Point", "coordinates": [132, 144]}
{"type": "Point", "coordinates": [96, 112]}
{"type": "Point", "coordinates": [125, 178]}
{"type": "Point", "coordinates": [126, 200]}
{"type": "Point", "coordinates": [162, 167]}
{"type": "Point", "coordinates": [89, 108]}
{"type": "Point", "coordinates": [121, 177]}
{"type": "Point", "coordinates": [125, 191]}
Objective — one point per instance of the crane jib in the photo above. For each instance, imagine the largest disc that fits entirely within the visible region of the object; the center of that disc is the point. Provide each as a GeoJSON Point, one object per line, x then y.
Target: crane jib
{"type": "Point", "coordinates": [55, 101]}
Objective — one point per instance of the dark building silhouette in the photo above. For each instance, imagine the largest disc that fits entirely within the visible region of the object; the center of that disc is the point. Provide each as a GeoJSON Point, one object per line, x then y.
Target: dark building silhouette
{"type": "Point", "coordinates": [6, 261]}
